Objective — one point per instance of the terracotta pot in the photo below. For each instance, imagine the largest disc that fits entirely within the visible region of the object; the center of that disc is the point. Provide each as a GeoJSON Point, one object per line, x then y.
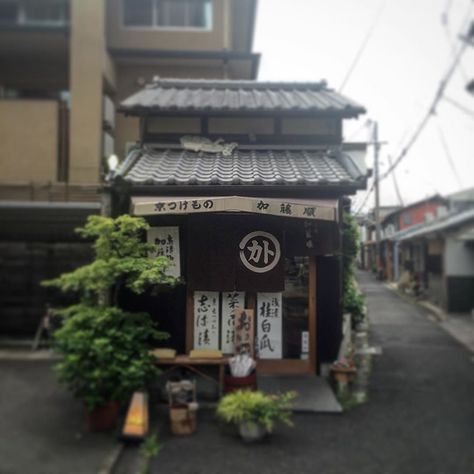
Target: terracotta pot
{"type": "Point", "coordinates": [232, 384]}
{"type": "Point", "coordinates": [250, 431]}
{"type": "Point", "coordinates": [103, 418]}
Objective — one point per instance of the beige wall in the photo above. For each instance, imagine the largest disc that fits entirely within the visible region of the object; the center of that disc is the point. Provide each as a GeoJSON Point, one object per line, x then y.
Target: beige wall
{"type": "Point", "coordinates": [86, 82]}
{"type": "Point", "coordinates": [29, 138]}
{"type": "Point", "coordinates": [164, 39]}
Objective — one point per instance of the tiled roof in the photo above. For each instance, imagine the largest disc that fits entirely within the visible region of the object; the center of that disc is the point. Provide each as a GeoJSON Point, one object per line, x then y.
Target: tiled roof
{"type": "Point", "coordinates": [239, 96]}
{"type": "Point", "coordinates": [242, 167]}
{"type": "Point", "coordinates": [444, 223]}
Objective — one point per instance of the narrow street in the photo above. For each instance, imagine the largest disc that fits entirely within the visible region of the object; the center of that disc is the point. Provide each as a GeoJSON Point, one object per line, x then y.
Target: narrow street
{"type": "Point", "coordinates": [419, 418]}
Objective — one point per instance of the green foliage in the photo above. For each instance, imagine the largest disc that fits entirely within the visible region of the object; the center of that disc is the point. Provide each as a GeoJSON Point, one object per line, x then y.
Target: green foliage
{"type": "Point", "coordinates": [151, 446]}
{"type": "Point", "coordinates": [106, 352]}
{"type": "Point", "coordinates": [106, 349]}
{"type": "Point", "coordinates": [149, 450]}
{"type": "Point", "coordinates": [121, 259]}
{"type": "Point", "coordinates": [245, 405]}
{"type": "Point", "coordinates": [353, 300]}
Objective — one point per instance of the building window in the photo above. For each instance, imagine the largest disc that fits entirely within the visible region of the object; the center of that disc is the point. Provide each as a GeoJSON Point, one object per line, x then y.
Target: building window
{"type": "Point", "coordinates": [50, 12]}
{"type": "Point", "coordinates": [138, 13]}
{"type": "Point", "coordinates": [34, 12]}
{"type": "Point", "coordinates": [168, 13]}
{"type": "Point", "coordinates": [9, 12]}
{"type": "Point", "coordinates": [407, 218]}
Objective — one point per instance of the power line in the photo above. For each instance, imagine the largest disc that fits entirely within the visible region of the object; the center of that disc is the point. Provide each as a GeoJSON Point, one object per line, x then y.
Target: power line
{"type": "Point", "coordinates": [448, 34]}
{"type": "Point", "coordinates": [395, 183]}
{"type": "Point", "coordinates": [460, 107]}
{"type": "Point", "coordinates": [448, 154]}
{"type": "Point", "coordinates": [366, 198]}
{"type": "Point", "coordinates": [361, 48]}
{"type": "Point", "coordinates": [429, 112]}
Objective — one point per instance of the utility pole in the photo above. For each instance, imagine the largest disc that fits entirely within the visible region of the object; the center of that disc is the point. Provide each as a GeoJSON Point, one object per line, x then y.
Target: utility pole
{"type": "Point", "coordinates": [375, 139]}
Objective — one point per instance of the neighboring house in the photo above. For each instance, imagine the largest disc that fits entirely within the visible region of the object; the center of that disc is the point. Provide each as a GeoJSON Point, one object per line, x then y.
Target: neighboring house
{"type": "Point", "coordinates": [368, 238]}
{"type": "Point", "coordinates": [445, 258]}
{"type": "Point", "coordinates": [252, 220]}
{"type": "Point", "coordinates": [394, 220]}
{"type": "Point", "coordinates": [64, 65]}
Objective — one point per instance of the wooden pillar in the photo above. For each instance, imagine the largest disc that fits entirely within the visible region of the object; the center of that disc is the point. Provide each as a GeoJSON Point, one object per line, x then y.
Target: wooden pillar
{"type": "Point", "coordinates": [312, 315]}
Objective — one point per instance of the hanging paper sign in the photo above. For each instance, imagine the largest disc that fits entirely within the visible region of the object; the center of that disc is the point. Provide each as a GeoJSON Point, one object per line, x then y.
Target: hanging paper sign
{"type": "Point", "coordinates": [230, 301]}
{"type": "Point", "coordinates": [269, 325]}
{"type": "Point", "coordinates": [166, 240]}
{"type": "Point", "coordinates": [244, 331]}
{"type": "Point", "coordinates": [206, 320]}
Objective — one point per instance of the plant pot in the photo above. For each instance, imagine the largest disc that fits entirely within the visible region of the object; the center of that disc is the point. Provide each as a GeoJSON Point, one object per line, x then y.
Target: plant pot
{"type": "Point", "coordinates": [103, 418]}
{"type": "Point", "coordinates": [231, 383]}
{"type": "Point", "coordinates": [251, 431]}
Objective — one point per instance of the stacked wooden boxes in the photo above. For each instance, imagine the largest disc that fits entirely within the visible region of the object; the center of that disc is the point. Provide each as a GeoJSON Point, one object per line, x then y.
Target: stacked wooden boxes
{"type": "Point", "coordinates": [183, 406]}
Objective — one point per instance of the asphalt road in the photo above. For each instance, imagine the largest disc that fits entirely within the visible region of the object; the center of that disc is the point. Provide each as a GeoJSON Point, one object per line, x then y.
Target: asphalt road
{"type": "Point", "coordinates": [419, 417]}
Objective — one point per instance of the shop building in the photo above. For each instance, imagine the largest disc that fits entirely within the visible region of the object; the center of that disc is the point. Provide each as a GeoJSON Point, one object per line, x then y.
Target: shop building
{"type": "Point", "coordinates": [242, 184]}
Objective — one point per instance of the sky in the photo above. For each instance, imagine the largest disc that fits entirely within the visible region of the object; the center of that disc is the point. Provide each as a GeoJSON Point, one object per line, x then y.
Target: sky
{"type": "Point", "coordinates": [411, 45]}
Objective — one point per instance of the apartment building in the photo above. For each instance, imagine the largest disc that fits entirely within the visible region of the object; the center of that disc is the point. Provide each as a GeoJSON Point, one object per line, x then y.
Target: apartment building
{"type": "Point", "coordinates": [64, 65]}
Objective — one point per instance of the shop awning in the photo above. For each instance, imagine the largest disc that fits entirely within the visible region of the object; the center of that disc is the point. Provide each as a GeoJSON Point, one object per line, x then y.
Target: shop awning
{"type": "Point", "coordinates": [326, 210]}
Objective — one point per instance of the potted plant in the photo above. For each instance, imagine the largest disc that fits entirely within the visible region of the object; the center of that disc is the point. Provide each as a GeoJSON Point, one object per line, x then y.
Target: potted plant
{"type": "Point", "coordinates": [105, 349]}
{"type": "Point", "coordinates": [255, 413]}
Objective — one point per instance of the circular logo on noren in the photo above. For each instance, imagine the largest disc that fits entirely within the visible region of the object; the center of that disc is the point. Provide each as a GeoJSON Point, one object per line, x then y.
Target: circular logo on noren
{"type": "Point", "coordinates": [260, 251]}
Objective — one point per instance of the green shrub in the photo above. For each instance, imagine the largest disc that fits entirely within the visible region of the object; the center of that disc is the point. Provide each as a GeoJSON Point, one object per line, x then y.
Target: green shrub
{"type": "Point", "coordinates": [352, 299]}
{"type": "Point", "coordinates": [105, 349]}
{"type": "Point", "coordinates": [245, 405]}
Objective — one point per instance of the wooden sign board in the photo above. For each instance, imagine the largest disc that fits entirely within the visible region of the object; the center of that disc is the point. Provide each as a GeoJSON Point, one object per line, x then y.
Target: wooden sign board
{"type": "Point", "coordinates": [166, 240]}
{"type": "Point", "coordinates": [269, 325]}
{"type": "Point", "coordinates": [206, 320]}
{"type": "Point", "coordinates": [230, 301]}
{"type": "Point", "coordinates": [244, 331]}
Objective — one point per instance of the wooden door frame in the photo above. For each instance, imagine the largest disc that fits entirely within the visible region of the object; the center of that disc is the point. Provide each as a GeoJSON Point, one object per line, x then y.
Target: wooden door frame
{"type": "Point", "coordinates": [274, 366]}
{"type": "Point", "coordinates": [298, 366]}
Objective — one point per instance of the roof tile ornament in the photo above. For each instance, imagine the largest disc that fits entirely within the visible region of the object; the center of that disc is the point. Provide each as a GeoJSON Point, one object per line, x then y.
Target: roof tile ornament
{"type": "Point", "coordinates": [197, 144]}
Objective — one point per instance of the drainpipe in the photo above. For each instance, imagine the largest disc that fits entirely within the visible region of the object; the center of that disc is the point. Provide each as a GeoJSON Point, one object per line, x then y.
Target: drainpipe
{"type": "Point", "coordinates": [396, 269]}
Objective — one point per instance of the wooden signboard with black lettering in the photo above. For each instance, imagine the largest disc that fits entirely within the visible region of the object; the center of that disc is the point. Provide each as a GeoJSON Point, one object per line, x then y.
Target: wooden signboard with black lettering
{"type": "Point", "coordinates": [244, 332]}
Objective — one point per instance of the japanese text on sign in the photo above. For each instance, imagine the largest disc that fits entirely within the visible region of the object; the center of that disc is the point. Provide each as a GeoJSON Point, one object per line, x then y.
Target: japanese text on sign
{"type": "Point", "coordinates": [206, 320]}
{"type": "Point", "coordinates": [260, 251]}
{"type": "Point", "coordinates": [269, 325]}
{"type": "Point", "coordinates": [244, 332]}
{"type": "Point", "coordinates": [166, 241]}
{"type": "Point", "coordinates": [230, 301]}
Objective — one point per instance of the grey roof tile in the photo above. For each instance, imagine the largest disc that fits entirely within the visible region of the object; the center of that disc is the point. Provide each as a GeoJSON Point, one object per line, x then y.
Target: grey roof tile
{"type": "Point", "coordinates": [169, 166]}
{"type": "Point", "coordinates": [237, 96]}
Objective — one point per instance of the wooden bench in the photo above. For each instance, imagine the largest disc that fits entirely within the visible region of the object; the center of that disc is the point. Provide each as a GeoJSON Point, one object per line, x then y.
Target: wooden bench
{"type": "Point", "coordinates": [193, 364]}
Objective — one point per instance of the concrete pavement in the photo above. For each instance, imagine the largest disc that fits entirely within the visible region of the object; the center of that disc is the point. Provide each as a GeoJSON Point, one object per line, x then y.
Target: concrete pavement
{"type": "Point", "coordinates": [42, 428]}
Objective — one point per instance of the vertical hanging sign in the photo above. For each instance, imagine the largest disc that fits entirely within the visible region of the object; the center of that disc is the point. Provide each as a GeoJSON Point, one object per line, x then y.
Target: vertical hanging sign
{"type": "Point", "coordinates": [166, 240]}
{"type": "Point", "coordinates": [244, 332]}
{"type": "Point", "coordinates": [230, 301]}
{"type": "Point", "coordinates": [269, 325]}
{"type": "Point", "coordinates": [206, 320]}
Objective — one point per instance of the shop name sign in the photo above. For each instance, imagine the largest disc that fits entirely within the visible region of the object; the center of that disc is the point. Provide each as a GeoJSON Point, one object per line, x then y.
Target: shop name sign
{"type": "Point", "coordinates": [260, 251]}
{"type": "Point", "coordinates": [275, 207]}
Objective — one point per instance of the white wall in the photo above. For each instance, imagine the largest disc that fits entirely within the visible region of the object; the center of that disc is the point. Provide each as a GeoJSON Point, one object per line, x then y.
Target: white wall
{"type": "Point", "coordinates": [459, 258]}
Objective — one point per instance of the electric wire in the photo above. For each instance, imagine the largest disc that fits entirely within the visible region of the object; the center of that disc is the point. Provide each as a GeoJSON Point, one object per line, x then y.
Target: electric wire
{"type": "Point", "coordinates": [395, 183]}
{"type": "Point", "coordinates": [362, 47]}
{"type": "Point", "coordinates": [429, 112]}
{"type": "Point", "coordinates": [465, 110]}
{"type": "Point", "coordinates": [448, 154]}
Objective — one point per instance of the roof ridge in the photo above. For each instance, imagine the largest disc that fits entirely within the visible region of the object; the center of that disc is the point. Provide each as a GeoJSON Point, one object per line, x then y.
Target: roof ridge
{"type": "Point", "coordinates": [235, 84]}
